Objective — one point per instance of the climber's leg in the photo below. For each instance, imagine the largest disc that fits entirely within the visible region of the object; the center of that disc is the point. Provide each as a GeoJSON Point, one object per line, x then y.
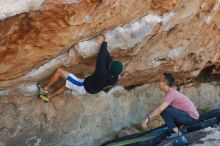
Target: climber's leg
{"type": "Point", "coordinates": [43, 91]}
{"type": "Point", "coordinates": [58, 92]}
{"type": "Point", "coordinates": [60, 72]}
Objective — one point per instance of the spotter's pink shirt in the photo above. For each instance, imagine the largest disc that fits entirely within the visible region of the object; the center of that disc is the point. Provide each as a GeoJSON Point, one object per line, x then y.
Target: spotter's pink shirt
{"type": "Point", "coordinates": [180, 101]}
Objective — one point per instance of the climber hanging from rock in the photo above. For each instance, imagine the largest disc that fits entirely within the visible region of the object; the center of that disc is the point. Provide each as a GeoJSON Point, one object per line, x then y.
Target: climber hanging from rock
{"type": "Point", "coordinates": [176, 109]}
{"type": "Point", "coordinates": [106, 73]}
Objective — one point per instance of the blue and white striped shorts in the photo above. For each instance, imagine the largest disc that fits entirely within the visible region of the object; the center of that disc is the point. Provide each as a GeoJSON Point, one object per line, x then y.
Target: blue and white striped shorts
{"type": "Point", "coordinates": [76, 84]}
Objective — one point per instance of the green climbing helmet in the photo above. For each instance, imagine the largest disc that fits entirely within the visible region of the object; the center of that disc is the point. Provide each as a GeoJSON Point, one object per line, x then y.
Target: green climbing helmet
{"type": "Point", "coordinates": [116, 67]}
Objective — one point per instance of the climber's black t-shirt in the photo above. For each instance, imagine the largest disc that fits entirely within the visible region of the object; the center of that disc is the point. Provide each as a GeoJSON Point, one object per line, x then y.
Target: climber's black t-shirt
{"type": "Point", "coordinates": [102, 76]}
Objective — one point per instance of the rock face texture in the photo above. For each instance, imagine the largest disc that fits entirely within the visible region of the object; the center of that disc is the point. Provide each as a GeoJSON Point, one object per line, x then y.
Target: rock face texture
{"type": "Point", "coordinates": [70, 120]}
{"type": "Point", "coordinates": [39, 36]}
{"type": "Point", "coordinates": [180, 36]}
{"type": "Point", "coordinates": [148, 36]}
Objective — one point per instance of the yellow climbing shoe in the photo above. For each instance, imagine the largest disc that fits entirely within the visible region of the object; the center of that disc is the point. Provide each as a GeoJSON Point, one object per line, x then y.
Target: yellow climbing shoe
{"type": "Point", "coordinates": [42, 93]}
{"type": "Point", "coordinates": [44, 98]}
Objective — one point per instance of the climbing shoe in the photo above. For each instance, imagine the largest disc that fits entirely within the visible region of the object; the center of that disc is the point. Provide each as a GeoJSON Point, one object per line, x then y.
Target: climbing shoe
{"type": "Point", "coordinates": [44, 98]}
{"type": "Point", "coordinates": [42, 93]}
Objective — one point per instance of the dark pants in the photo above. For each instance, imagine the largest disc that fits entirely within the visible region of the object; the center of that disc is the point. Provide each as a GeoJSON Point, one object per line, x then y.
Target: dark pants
{"type": "Point", "coordinates": [174, 117]}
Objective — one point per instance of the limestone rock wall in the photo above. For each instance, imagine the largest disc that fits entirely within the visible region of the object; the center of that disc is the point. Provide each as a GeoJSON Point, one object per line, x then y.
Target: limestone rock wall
{"type": "Point", "coordinates": [180, 36]}
{"type": "Point", "coordinates": [38, 36]}
{"type": "Point", "coordinates": [70, 120]}
{"type": "Point", "coordinates": [12, 7]}
{"type": "Point", "coordinates": [148, 36]}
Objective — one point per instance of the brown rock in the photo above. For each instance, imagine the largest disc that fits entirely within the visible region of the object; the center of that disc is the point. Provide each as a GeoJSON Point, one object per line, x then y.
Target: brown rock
{"type": "Point", "coordinates": [150, 37]}
{"type": "Point", "coordinates": [37, 36]}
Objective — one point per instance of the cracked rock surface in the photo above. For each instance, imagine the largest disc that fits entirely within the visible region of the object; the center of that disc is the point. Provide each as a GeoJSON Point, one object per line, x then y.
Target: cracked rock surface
{"type": "Point", "coordinates": [148, 36]}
